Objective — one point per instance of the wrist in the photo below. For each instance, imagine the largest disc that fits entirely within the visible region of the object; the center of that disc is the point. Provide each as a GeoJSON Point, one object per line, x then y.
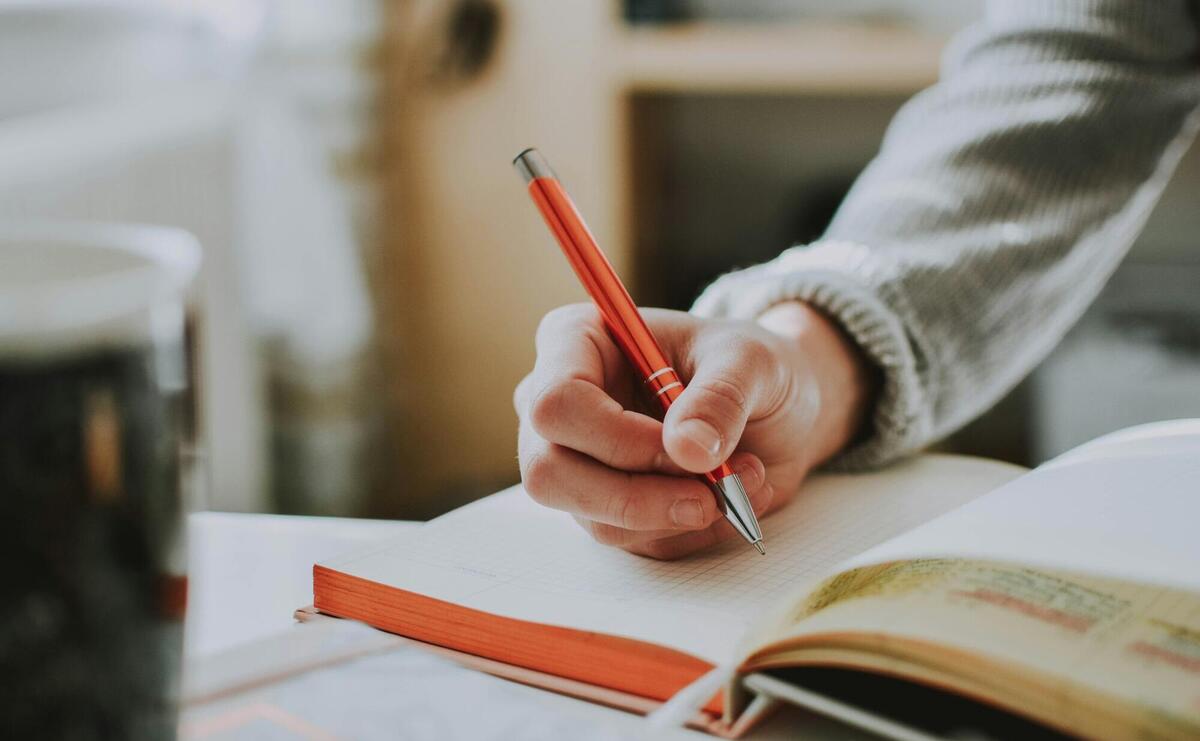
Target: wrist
{"type": "Point", "coordinates": [823, 355]}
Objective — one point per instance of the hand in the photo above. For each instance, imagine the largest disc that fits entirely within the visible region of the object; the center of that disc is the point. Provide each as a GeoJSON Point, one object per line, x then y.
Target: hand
{"type": "Point", "coordinates": [785, 393]}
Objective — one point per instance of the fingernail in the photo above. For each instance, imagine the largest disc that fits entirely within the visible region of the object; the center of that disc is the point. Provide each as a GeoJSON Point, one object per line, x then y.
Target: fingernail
{"type": "Point", "coordinates": [702, 434]}
{"type": "Point", "coordinates": [661, 459]}
{"type": "Point", "coordinates": [687, 513]}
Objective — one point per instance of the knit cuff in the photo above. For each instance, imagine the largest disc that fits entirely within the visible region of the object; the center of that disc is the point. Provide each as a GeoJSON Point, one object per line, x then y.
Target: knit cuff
{"type": "Point", "coordinates": [848, 283]}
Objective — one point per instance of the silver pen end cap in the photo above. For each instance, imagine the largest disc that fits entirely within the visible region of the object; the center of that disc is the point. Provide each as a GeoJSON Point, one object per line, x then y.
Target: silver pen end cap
{"type": "Point", "coordinates": [532, 165]}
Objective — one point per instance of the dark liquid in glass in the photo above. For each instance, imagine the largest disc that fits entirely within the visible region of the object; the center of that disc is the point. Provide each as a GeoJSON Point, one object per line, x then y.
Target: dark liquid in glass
{"type": "Point", "coordinates": [91, 610]}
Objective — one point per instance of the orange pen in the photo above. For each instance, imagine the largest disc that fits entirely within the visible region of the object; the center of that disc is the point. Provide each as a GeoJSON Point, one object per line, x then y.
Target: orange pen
{"type": "Point", "coordinates": [625, 323]}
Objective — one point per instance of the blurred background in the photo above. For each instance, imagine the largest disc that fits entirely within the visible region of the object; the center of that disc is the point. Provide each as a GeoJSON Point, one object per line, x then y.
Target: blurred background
{"type": "Point", "coordinates": [373, 270]}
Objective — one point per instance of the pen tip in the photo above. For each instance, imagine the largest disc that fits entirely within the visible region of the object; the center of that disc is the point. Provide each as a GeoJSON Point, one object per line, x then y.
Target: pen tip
{"type": "Point", "coordinates": [759, 546]}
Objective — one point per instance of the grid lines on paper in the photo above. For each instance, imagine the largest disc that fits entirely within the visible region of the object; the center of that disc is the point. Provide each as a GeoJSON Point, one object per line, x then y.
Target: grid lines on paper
{"type": "Point", "coordinates": [806, 540]}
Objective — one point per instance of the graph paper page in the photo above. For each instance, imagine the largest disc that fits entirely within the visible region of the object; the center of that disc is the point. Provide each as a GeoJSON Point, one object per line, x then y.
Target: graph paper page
{"type": "Point", "coordinates": [508, 556]}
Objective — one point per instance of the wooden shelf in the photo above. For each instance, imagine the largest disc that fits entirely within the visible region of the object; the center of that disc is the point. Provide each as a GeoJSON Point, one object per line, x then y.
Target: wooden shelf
{"type": "Point", "coordinates": [790, 59]}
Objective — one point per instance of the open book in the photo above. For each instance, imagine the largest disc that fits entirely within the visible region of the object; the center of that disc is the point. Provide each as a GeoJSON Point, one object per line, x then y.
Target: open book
{"type": "Point", "coordinates": [1069, 595]}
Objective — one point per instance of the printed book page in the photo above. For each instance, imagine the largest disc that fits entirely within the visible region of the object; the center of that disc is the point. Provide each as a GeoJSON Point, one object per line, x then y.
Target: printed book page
{"type": "Point", "coordinates": [1114, 508]}
{"type": "Point", "coordinates": [1070, 641]}
{"type": "Point", "coordinates": [508, 556]}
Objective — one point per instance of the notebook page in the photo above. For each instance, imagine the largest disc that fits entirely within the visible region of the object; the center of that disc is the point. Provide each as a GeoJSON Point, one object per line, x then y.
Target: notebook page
{"type": "Point", "coordinates": [508, 556]}
{"type": "Point", "coordinates": [1121, 511]}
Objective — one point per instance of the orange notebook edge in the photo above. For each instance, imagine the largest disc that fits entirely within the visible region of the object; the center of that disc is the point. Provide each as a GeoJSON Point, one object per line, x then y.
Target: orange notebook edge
{"type": "Point", "coordinates": [617, 672]}
{"type": "Point", "coordinates": [630, 703]}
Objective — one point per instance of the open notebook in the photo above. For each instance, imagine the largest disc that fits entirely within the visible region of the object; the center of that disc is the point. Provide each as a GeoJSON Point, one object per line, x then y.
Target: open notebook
{"type": "Point", "coordinates": [985, 599]}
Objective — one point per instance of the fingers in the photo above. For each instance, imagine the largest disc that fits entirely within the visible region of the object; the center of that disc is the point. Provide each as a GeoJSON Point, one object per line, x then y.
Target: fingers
{"type": "Point", "coordinates": [730, 383]}
{"type": "Point", "coordinates": [561, 478]}
{"type": "Point", "coordinates": [582, 416]}
{"type": "Point", "coordinates": [567, 346]}
{"type": "Point", "coordinates": [567, 401]}
{"type": "Point", "coordinates": [605, 534]}
{"type": "Point", "coordinates": [752, 472]}
{"type": "Point", "coordinates": [679, 545]}
{"type": "Point", "coordinates": [619, 472]}
{"type": "Point", "coordinates": [564, 479]}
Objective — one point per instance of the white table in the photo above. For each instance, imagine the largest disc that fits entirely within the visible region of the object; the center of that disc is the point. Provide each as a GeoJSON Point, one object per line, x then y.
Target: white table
{"type": "Point", "coordinates": [248, 573]}
{"type": "Point", "coordinates": [262, 564]}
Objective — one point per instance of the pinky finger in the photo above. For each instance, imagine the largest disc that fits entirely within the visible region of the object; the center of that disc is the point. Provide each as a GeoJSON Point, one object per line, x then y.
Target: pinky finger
{"type": "Point", "coordinates": [606, 534]}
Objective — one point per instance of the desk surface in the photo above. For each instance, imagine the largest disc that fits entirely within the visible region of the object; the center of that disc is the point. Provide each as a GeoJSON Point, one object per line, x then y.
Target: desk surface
{"type": "Point", "coordinates": [248, 573]}
{"type": "Point", "coordinates": [263, 565]}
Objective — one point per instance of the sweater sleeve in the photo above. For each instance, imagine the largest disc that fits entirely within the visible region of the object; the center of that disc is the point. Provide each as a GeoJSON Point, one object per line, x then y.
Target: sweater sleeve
{"type": "Point", "coordinates": [1001, 201]}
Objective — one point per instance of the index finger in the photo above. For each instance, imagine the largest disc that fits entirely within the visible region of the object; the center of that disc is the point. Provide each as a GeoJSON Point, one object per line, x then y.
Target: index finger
{"type": "Point", "coordinates": [571, 342]}
{"type": "Point", "coordinates": [567, 400]}
{"type": "Point", "coordinates": [564, 353]}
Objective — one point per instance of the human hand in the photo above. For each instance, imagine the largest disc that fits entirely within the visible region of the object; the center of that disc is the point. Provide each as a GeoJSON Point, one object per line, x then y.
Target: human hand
{"type": "Point", "coordinates": [786, 393]}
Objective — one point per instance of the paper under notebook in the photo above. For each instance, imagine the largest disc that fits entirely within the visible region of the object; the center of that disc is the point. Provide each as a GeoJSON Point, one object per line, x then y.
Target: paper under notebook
{"type": "Point", "coordinates": [986, 600]}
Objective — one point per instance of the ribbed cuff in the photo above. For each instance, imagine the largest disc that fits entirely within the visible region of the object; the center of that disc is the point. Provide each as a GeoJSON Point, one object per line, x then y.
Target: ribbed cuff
{"type": "Point", "coordinates": [849, 283]}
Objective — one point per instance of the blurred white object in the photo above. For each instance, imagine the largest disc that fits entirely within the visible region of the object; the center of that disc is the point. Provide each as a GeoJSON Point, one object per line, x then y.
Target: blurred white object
{"type": "Point", "coordinates": [309, 149]}
{"type": "Point", "coordinates": [147, 112]}
{"type": "Point", "coordinates": [301, 256]}
{"type": "Point", "coordinates": [1134, 359]}
{"type": "Point", "coordinates": [1102, 381]}
{"type": "Point", "coordinates": [160, 161]}
{"type": "Point", "coordinates": [71, 287]}
{"type": "Point", "coordinates": [310, 103]}
{"type": "Point", "coordinates": [248, 573]}
{"type": "Point", "coordinates": [65, 52]}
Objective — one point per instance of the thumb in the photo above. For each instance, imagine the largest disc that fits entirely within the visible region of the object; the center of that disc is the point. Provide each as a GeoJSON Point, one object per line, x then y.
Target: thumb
{"type": "Point", "coordinates": [703, 426]}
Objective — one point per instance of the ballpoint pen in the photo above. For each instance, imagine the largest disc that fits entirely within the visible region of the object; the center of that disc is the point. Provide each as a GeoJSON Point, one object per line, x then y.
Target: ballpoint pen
{"type": "Point", "coordinates": [625, 323]}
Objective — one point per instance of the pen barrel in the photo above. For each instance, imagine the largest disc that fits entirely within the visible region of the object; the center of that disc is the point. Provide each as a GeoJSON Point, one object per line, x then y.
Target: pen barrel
{"type": "Point", "coordinates": [717, 474]}
{"type": "Point", "coordinates": [621, 317]}
{"type": "Point", "coordinates": [665, 385]}
{"type": "Point", "coordinates": [616, 307]}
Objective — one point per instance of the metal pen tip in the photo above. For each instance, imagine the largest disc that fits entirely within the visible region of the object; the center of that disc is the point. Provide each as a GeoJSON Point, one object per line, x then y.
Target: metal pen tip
{"type": "Point", "coordinates": [759, 546]}
{"type": "Point", "coordinates": [732, 499]}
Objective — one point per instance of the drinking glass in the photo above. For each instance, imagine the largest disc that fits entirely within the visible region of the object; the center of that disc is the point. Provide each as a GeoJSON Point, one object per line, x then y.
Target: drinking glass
{"type": "Point", "coordinates": [93, 414]}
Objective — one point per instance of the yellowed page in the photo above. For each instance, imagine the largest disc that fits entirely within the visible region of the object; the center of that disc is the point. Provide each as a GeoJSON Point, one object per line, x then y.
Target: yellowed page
{"type": "Point", "coordinates": [508, 556]}
{"type": "Point", "coordinates": [1068, 639]}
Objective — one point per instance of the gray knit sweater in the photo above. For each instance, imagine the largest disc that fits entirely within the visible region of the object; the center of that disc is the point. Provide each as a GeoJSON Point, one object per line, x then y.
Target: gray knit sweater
{"type": "Point", "coordinates": [1001, 201]}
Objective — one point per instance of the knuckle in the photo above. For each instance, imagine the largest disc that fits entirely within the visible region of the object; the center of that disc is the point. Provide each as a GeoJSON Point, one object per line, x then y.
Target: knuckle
{"type": "Point", "coordinates": [625, 511]}
{"type": "Point", "coordinates": [564, 317]}
{"type": "Point", "coordinates": [755, 353]}
{"type": "Point", "coordinates": [520, 393]}
{"type": "Point", "coordinates": [548, 407]}
{"type": "Point", "coordinates": [725, 399]}
{"type": "Point", "coordinates": [539, 476]}
{"type": "Point", "coordinates": [621, 451]}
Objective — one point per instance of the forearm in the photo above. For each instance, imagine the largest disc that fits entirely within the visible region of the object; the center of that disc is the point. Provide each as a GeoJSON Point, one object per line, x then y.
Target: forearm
{"type": "Point", "coordinates": [1000, 203]}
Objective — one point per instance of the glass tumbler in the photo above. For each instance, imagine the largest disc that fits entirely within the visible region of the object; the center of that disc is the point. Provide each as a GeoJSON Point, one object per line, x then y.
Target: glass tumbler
{"type": "Point", "coordinates": [93, 375]}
